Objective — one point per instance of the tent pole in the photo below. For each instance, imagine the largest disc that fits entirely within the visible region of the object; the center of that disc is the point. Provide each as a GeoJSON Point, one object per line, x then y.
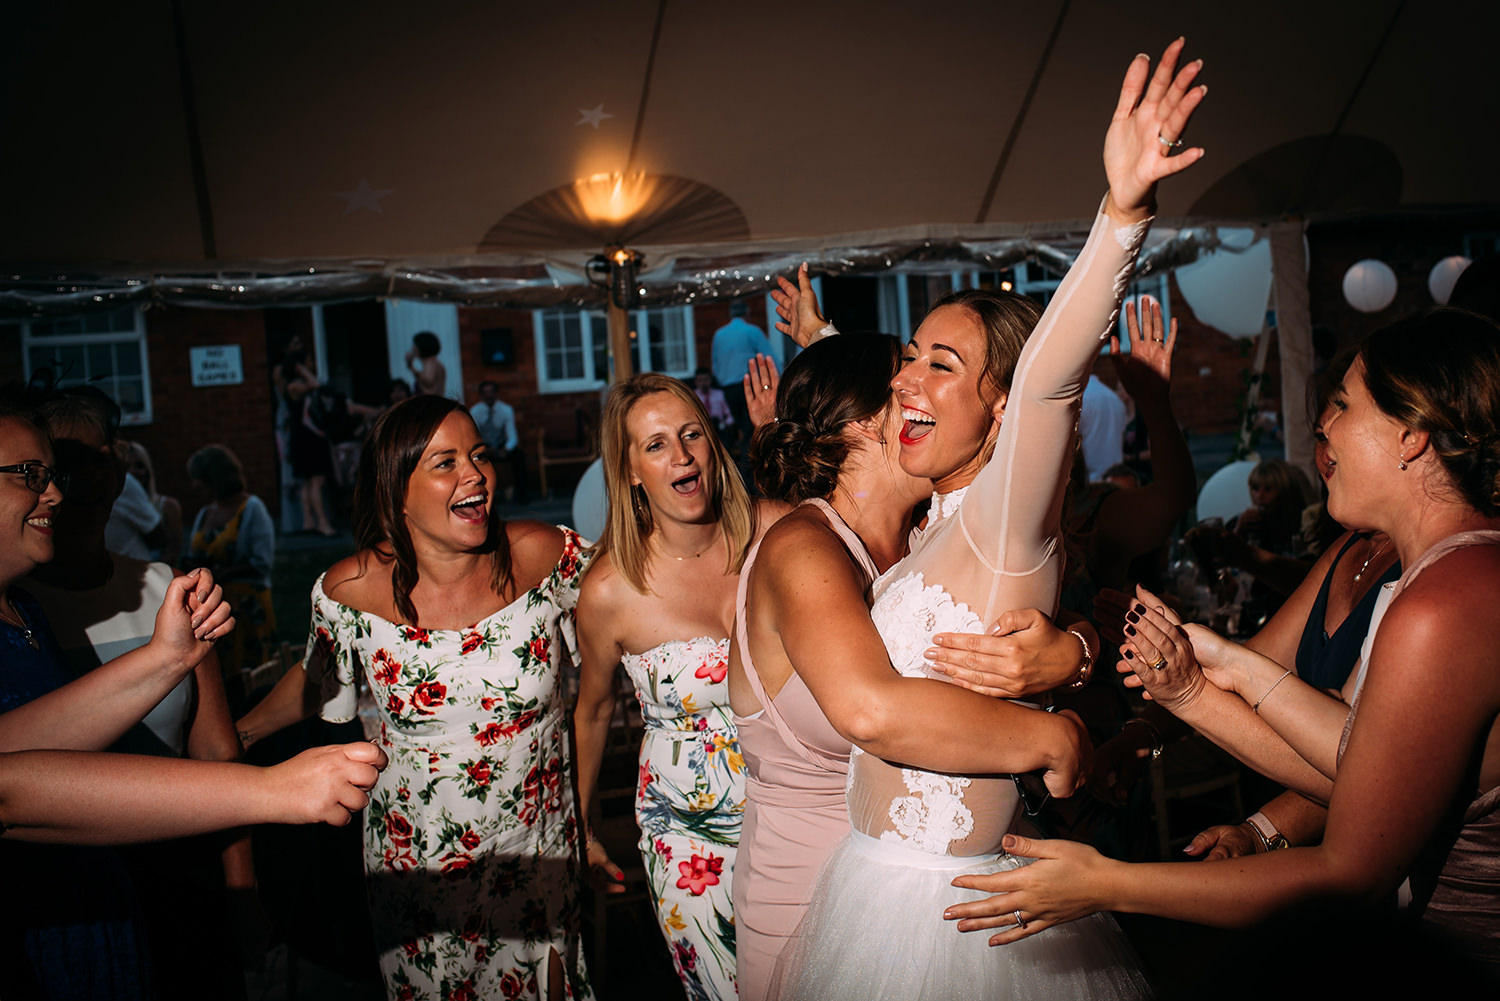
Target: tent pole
{"type": "Point", "coordinates": [1294, 339]}
{"type": "Point", "coordinates": [619, 343]}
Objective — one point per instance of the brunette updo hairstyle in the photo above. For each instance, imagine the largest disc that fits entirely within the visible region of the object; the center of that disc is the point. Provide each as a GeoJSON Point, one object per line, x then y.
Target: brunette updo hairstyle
{"type": "Point", "coordinates": [1439, 372]}
{"type": "Point", "coordinates": [835, 381]}
{"type": "Point", "coordinates": [391, 452]}
{"type": "Point", "coordinates": [1007, 319]}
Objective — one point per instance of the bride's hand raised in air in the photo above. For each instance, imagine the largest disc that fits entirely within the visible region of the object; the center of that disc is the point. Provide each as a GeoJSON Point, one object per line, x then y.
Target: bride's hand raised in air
{"type": "Point", "coordinates": [1144, 142]}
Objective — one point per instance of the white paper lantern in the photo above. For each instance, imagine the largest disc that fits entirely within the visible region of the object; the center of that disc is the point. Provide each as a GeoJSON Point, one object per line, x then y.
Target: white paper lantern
{"type": "Point", "coordinates": [1443, 276]}
{"type": "Point", "coordinates": [590, 503]}
{"type": "Point", "coordinates": [1370, 285]}
{"type": "Point", "coordinates": [1226, 494]}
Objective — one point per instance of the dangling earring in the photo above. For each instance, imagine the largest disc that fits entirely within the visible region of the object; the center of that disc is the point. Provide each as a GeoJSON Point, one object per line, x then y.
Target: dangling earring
{"type": "Point", "coordinates": [1402, 464]}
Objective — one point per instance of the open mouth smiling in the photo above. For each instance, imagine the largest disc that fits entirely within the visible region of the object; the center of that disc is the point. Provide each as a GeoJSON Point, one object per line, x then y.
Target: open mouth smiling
{"type": "Point", "coordinates": [918, 425]}
{"type": "Point", "coordinates": [471, 508]}
{"type": "Point", "coordinates": [688, 485]}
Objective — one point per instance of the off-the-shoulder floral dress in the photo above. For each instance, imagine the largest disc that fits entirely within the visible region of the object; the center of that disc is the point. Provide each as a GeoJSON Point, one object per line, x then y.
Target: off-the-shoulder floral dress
{"type": "Point", "coordinates": [471, 834]}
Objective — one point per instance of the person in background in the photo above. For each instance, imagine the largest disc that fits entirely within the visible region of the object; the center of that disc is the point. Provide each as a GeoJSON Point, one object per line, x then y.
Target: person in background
{"type": "Point", "coordinates": [735, 346]}
{"type": "Point", "coordinates": [136, 525]}
{"type": "Point", "coordinates": [429, 375]}
{"type": "Point", "coordinates": [496, 421]}
{"type": "Point", "coordinates": [1101, 424]}
{"type": "Point", "coordinates": [138, 464]}
{"type": "Point", "coordinates": [233, 536]}
{"type": "Point", "coordinates": [398, 390]}
{"type": "Point", "coordinates": [101, 605]}
{"type": "Point", "coordinates": [308, 450]}
{"type": "Point", "coordinates": [714, 403]}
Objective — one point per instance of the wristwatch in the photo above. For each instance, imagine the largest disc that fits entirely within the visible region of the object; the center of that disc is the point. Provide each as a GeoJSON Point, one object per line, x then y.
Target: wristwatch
{"type": "Point", "coordinates": [1269, 836]}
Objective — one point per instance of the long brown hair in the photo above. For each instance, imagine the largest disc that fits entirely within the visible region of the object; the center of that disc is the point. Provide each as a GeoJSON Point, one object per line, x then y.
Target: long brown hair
{"type": "Point", "coordinates": [391, 452]}
{"type": "Point", "coordinates": [630, 521]}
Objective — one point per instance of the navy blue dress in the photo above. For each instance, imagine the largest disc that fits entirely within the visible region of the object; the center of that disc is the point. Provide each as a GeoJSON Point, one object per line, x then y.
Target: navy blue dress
{"type": "Point", "coordinates": [1323, 660]}
{"type": "Point", "coordinates": [72, 927]}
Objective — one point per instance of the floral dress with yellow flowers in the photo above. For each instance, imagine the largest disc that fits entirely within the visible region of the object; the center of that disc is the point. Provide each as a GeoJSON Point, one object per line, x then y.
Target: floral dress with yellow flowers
{"type": "Point", "coordinates": [689, 802]}
{"type": "Point", "coordinates": [471, 835]}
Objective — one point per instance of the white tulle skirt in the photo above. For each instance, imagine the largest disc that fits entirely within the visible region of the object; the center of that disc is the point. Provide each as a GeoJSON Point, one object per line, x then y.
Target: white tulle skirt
{"type": "Point", "coordinates": [875, 929]}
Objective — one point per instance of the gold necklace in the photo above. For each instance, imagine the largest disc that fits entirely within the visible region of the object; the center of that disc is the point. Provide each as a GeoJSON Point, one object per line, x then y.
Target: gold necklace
{"type": "Point", "coordinates": [1374, 552]}
{"type": "Point", "coordinates": [693, 556]}
{"type": "Point", "coordinates": [16, 619]}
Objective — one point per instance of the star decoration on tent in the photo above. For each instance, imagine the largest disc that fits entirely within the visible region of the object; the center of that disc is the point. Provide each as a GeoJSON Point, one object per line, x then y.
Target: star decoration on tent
{"type": "Point", "coordinates": [362, 197]}
{"type": "Point", "coordinates": [593, 116]}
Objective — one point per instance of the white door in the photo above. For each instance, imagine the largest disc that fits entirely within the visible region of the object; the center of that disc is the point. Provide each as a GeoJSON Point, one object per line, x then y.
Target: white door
{"type": "Point", "coordinates": [404, 318]}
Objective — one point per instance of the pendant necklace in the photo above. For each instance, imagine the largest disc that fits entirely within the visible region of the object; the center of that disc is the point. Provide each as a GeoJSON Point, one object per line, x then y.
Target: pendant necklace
{"type": "Point", "coordinates": [1374, 552]}
{"type": "Point", "coordinates": [18, 620]}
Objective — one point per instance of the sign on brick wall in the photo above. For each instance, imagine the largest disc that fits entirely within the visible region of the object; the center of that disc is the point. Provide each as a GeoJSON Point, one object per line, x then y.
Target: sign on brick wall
{"type": "Point", "coordinates": [218, 365]}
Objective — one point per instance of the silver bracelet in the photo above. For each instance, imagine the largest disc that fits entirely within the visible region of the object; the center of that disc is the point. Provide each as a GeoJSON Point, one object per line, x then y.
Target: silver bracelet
{"type": "Point", "coordinates": [1256, 708]}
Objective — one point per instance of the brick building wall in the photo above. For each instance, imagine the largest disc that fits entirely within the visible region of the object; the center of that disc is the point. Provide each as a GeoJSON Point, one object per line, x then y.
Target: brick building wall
{"type": "Point", "coordinates": [1208, 382]}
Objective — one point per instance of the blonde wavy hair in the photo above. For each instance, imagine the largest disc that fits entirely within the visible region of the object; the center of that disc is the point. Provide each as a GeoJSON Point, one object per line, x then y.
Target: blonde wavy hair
{"type": "Point", "coordinates": [630, 521]}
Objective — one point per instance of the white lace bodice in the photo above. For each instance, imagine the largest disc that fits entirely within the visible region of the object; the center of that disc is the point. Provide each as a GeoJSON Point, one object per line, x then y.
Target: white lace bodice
{"type": "Point", "coordinates": [941, 814]}
{"type": "Point", "coordinates": [991, 547]}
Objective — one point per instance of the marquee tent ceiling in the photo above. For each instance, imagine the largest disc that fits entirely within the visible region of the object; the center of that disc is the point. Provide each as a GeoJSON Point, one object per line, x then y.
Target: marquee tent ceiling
{"type": "Point", "coordinates": [376, 144]}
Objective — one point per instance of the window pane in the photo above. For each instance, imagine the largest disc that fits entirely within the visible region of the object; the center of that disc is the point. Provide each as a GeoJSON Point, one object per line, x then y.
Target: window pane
{"type": "Point", "coordinates": [129, 394]}
{"type": "Point", "coordinates": [128, 359]}
{"type": "Point", "coordinates": [100, 360]}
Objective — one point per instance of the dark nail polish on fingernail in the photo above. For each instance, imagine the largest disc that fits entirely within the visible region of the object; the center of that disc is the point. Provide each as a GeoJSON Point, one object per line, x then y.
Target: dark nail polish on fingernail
{"type": "Point", "coordinates": [1132, 617]}
{"type": "Point", "coordinates": [1129, 655]}
{"type": "Point", "coordinates": [1139, 609]}
{"type": "Point", "coordinates": [1130, 630]}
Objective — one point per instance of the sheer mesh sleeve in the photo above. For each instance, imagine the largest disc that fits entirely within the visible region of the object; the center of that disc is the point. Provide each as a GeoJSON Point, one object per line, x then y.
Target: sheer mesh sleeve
{"type": "Point", "coordinates": [1010, 520]}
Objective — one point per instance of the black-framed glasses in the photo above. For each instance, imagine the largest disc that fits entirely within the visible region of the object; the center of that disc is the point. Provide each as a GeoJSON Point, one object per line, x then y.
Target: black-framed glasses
{"type": "Point", "coordinates": [39, 476]}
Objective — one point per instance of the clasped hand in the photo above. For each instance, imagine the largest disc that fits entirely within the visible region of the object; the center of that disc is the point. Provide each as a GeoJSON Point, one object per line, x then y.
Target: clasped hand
{"type": "Point", "coordinates": [193, 614]}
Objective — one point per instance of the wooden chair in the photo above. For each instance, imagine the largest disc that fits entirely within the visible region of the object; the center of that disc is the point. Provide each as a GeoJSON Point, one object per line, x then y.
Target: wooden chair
{"type": "Point", "coordinates": [1193, 773]}
{"type": "Point", "coordinates": [553, 449]}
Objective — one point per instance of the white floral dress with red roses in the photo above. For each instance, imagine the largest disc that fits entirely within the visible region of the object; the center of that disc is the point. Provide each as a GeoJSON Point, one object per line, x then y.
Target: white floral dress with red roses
{"type": "Point", "coordinates": [471, 834]}
{"type": "Point", "coordinates": [689, 802]}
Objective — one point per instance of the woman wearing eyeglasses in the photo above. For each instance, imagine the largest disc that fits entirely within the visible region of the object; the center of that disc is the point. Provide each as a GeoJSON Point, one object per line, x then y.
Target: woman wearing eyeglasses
{"type": "Point", "coordinates": [78, 934]}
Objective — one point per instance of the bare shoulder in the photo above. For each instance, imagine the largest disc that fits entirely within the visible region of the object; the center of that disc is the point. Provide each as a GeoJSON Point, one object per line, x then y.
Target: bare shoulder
{"type": "Point", "coordinates": [768, 512]}
{"type": "Point", "coordinates": [1442, 628]}
{"type": "Point", "coordinates": [803, 547]}
{"type": "Point", "coordinates": [535, 548]}
{"type": "Point", "coordinates": [1459, 590]}
{"type": "Point", "coordinates": [603, 585]}
{"type": "Point", "coordinates": [361, 581]}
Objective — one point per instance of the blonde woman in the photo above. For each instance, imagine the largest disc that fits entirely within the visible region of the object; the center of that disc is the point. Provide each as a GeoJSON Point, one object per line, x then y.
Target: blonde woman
{"type": "Point", "coordinates": [659, 599]}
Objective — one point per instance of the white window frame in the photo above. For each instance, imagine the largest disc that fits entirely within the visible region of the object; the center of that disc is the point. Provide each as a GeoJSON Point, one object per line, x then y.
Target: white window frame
{"type": "Point", "coordinates": [594, 328]}
{"type": "Point", "coordinates": [894, 302]}
{"type": "Point", "coordinates": [109, 382]}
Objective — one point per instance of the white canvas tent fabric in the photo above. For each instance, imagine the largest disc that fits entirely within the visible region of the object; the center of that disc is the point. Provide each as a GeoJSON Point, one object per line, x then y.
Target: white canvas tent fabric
{"type": "Point", "coordinates": [373, 141]}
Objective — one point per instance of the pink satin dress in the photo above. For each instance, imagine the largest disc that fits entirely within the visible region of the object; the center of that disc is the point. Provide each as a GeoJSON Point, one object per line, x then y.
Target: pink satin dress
{"type": "Point", "coordinates": [795, 811]}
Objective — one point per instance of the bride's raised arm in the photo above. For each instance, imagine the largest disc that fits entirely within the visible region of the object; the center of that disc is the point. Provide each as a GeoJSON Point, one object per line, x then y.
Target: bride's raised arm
{"type": "Point", "coordinates": [1017, 497]}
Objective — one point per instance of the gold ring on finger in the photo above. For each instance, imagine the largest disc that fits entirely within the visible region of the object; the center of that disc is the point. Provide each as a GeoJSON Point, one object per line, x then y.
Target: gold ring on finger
{"type": "Point", "coordinates": [1156, 665]}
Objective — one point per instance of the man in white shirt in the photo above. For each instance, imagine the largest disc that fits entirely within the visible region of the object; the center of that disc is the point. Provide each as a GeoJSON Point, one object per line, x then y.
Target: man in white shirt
{"type": "Point", "coordinates": [497, 427]}
{"type": "Point", "coordinates": [1101, 424]}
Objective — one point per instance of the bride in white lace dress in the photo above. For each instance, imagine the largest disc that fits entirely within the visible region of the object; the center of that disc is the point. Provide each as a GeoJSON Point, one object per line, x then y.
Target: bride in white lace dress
{"type": "Point", "coordinates": [995, 432]}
